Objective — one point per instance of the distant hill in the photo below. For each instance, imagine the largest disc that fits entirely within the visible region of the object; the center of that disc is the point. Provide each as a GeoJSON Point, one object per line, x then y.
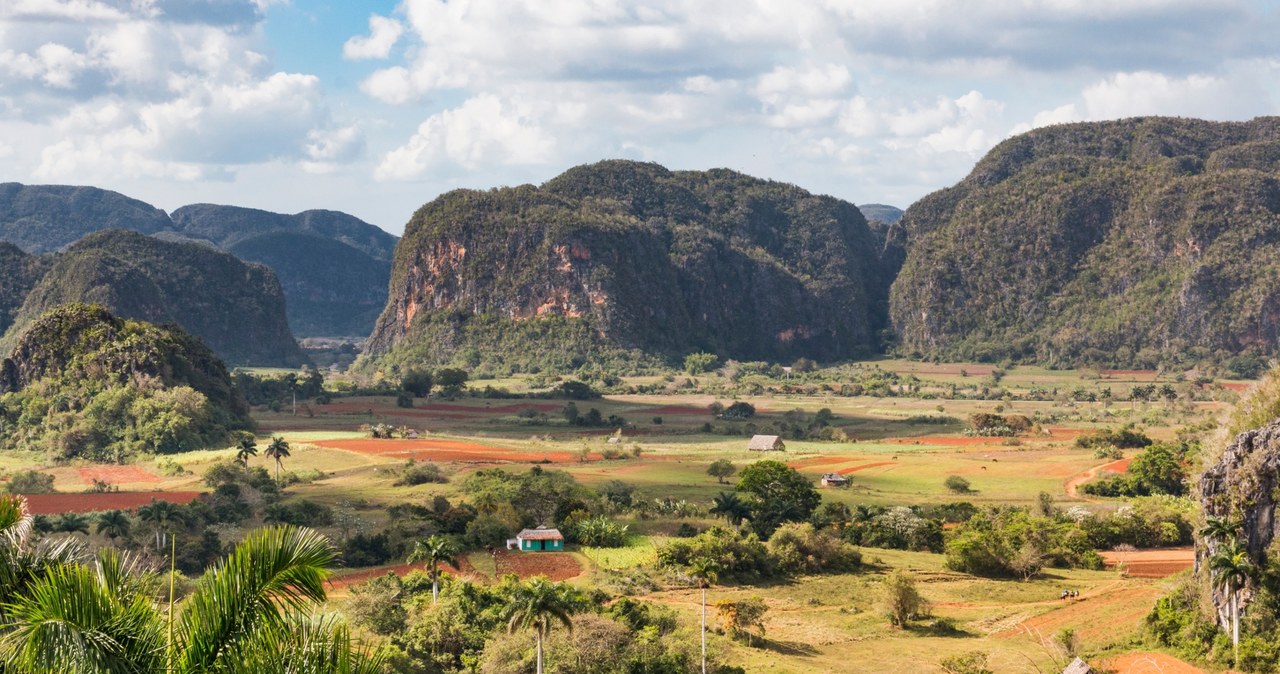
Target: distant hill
{"type": "Point", "coordinates": [881, 213]}
{"type": "Point", "coordinates": [151, 389]}
{"type": "Point", "coordinates": [236, 308]}
{"type": "Point", "coordinates": [628, 260]}
{"type": "Point", "coordinates": [338, 293]}
{"type": "Point", "coordinates": [1126, 242]}
{"type": "Point", "coordinates": [43, 218]}
{"type": "Point", "coordinates": [332, 288]}
{"type": "Point", "coordinates": [228, 225]}
{"type": "Point", "coordinates": [19, 273]}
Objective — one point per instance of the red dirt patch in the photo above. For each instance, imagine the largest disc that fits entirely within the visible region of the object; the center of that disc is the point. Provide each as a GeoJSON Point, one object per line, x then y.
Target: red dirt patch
{"type": "Point", "coordinates": [1072, 486]}
{"type": "Point", "coordinates": [443, 450]}
{"type": "Point", "coordinates": [116, 474]}
{"type": "Point", "coordinates": [1152, 563]}
{"type": "Point", "coordinates": [54, 504]}
{"type": "Point", "coordinates": [1149, 663]}
{"type": "Point", "coordinates": [1235, 386]}
{"type": "Point", "coordinates": [948, 441]}
{"type": "Point", "coordinates": [554, 565]}
{"type": "Point", "coordinates": [1118, 466]}
{"type": "Point", "coordinates": [854, 469]}
{"type": "Point", "coordinates": [359, 576]}
{"type": "Point", "coordinates": [1095, 615]}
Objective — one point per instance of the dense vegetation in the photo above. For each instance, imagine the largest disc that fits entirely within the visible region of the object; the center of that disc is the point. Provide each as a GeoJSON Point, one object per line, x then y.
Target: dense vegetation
{"type": "Point", "coordinates": [637, 258]}
{"type": "Point", "coordinates": [19, 273]}
{"type": "Point", "coordinates": [236, 308]}
{"type": "Point", "coordinates": [45, 218]}
{"type": "Point", "coordinates": [1130, 243]}
{"type": "Point", "coordinates": [82, 383]}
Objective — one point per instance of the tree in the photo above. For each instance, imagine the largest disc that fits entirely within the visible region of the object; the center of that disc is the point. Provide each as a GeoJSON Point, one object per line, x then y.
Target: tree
{"type": "Point", "coordinates": [536, 604]}
{"type": "Point", "coordinates": [278, 450]}
{"type": "Point", "coordinates": [738, 617]}
{"type": "Point", "coordinates": [434, 551]}
{"type": "Point", "coordinates": [1220, 529]}
{"type": "Point", "coordinates": [1230, 568]}
{"type": "Point", "coordinates": [902, 601]}
{"type": "Point", "coordinates": [706, 572]}
{"type": "Point", "coordinates": [114, 524]}
{"type": "Point", "coordinates": [418, 382]}
{"type": "Point", "coordinates": [739, 410]}
{"type": "Point", "coordinates": [159, 514]}
{"type": "Point", "coordinates": [249, 613]}
{"type": "Point", "coordinates": [245, 450]}
{"type": "Point", "coordinates": [71, 523]}
{"type": "Point", "coordinates": [451, 380]}
{"type": "Point", "coordinates": [778, 494]}
{"type": "Point", "coordinates": [733, 509]}
{"type": "Point", "coordinates": [700, 362]}
{"type": "Point", "coordinates": [957, 484]}
{"type": "Point", "coordinates": [720, 469]}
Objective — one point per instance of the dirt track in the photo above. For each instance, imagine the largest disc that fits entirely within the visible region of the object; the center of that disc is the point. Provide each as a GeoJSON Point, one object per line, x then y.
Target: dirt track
{"type": "Point", "coordinates": [1072, 485]}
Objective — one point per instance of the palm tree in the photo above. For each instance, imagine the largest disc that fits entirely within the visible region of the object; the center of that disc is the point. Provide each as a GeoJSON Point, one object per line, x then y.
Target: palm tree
{"type": "Point", "coordinates": [706, 571]}
{"type": "Point", "coordinates": [1230, 569]}
{"type": "Point", "coordinates": [435, 551]}
{"type": "Point", "coordinates": [248, 613]}
{"type": "Point", "coordinates": [71, 523]}
{"type": "Point", "coordinates": [536, 604]}
{"type": "Point", "coordinates": [278, 450]}
{"type": "Point", "coordinates": [1220, 529]}
{"type": "Point", "coordinates": [733, 509]}
{"type": "Point", "coordinates": [114, 524]}
{"type": "Point", "coordinates": [159, 514]}
{"type": "Point", "coordinates": [247, 449]}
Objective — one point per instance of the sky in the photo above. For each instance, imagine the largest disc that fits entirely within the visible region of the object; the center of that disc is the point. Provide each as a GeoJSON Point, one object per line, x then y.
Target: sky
{"type": "Point", "coordinates": [375, 107]}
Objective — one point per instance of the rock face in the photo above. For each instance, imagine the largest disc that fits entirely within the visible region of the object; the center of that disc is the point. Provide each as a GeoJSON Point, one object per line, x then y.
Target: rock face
{"type": "Point", "coordinates": [1245, 484]}
{"type": "Point", "coordinates": [1111, 242]}
{"type": "Point", "coordinates": [639, 258]}
{"type": "Point", "coordinates": [237, 308]}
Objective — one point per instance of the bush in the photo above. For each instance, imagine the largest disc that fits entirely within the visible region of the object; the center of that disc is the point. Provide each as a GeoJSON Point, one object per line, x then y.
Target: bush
{"type": "Point", "coordinates": [800, 548]}
{"type": "Point", "coordinates": [421, 473]}
{"type": "Point", "coordinates": [902, 601]}
{"type": "Point", "coordinates": [957, 484]}
{"type": "Point", "coordinates": [1124, 438]}
{"type": "Point", "coordinates": [404, 399]}
{"type": "Point", "coordinates": [366, 550]}
{"type": "Point", "coordinates": [30, 482]}
{"type": "Point", "coordinates": [739, 410]}
{"type": "Point", "coordinates": [600, 532]}
{"type": "Point", "coordinates": [303, 513]}
{"type": "Point", "coordinates": [700, 362]}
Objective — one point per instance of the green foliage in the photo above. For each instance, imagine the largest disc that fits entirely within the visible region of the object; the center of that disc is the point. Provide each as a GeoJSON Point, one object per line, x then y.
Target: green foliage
{"type": "Point", "coordinates": [957, 484]}
{"type": "Point", "coordinates": [799, 548]}
{"type": "Point", "coordinates": [30, 482]}
{"type": "Point", "coordinates": [417, 381]}
{"type": "Point", "coordinates": [973, 662]}
{"type": "Point", "coordinates": [83, 383]}
{"type": "Point", "coordinates": [739, 557]}
{"type": "Point", "coordinates": [1010, 542]}
{"type": "Point", "coordinates": [776, 494]}
{"type": "Point", "coordinates": [700, 362]}
{"type": "Point", "coordinates": [738, 410]}
{"type": "Point", "coordinates": [720, 469]}
{"type": "Point", "coordinates": [1161, 469]}
{"type": "Point", "coordinates": [421, 473]}
{"type": "Point", "coordinates": [1124, 438]}
{"type": "Point", "coordinates": [901, 600]}
{"type": "Point", "coordinates": [1066, 272]}
{"type": "Point", "coordinates": [599, 532]}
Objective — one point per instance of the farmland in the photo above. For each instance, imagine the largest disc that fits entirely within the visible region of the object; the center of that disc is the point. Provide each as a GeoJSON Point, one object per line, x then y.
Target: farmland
{"type": "Point", "coordinates": [898, 450]}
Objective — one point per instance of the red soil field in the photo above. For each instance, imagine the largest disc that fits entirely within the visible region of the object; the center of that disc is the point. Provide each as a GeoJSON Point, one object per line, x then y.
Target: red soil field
{"type": "Point", "coordinates": [347, 579]}
{"type": "Point", "coordinates": [1152, 563]}
{"type": "Point", "coordinates": [443, 450]}
{"type": "Point", "coordinates": [116, 474]}
{"type": "Point", "coordinates": [53, 504]}
{"type": "Point", "coordinates": [1094, 615]}
{"type": "Point", "coordinates": [553, 565]}
{"type": "Point", "coordinates": [1236, 386]}
{"type": "Point", "coordinates": [854, 469]}
{"type": "Point", "coordinates": [948, 441]}
{"type": "Point", "coordinates": [1149, 663]}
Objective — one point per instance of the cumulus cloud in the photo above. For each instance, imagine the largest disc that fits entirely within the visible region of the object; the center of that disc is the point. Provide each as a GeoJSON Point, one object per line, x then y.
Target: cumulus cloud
{"type": "Point", "coordinates": [383, 35]}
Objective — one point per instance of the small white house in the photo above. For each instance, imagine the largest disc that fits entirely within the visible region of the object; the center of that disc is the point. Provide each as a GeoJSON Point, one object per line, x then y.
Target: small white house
{"type": "Point", "coordinates": [539, 539]}
{"type": "Point", "coordinates": [834, 480]}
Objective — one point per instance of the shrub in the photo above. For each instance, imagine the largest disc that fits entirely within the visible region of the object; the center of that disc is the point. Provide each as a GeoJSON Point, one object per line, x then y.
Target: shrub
{"type": "Point", "coordinates": [739, 410]}
{"type": "Point", "coordinates": [700, 362]}
{"type": "Point", "coordinates": [404, 399]}
{"type": "Point", "coordinates": [30, 482]}
{"type": "Point", "coordinates": [901, 600]}
{"type": "Point", "coordinates": [600, 532]}
{"type": "Point", "coordinates": [957, 484]}
{"type": "Point", "coordinates": [1124, 438]}
{"type": "Point", "coordinates": [800, 548]}
{"type": "Point", "coordinates": [421, 473]}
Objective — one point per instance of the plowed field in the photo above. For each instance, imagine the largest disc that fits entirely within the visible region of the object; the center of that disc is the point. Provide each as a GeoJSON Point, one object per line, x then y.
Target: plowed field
{"type": "Point", "coordinates": [1152, 563]}
{"type": "Point", "coordinates": [553, 565]}
{"type": "Point", "coordinates": [1149, 663]}
{"type": "Point", "coordinates": [444, 450]}
{"type": "Point", "coordinates": [116, 474]}
{"type": "Point", "coordinates": [53, 504]}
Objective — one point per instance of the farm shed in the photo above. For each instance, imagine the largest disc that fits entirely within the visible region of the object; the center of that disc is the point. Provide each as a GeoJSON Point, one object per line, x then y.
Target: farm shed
{"type": "Point", "coordinates": [1078, 666]}
{"type": "Point", "coordinates": [834, 480]}
{"type": "Point", "coordinates": [766, 443]}
{"type": "Point", "coordinates": [542, 538]}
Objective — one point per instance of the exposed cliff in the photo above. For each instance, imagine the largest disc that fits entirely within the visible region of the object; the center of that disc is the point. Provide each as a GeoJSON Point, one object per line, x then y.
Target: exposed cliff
{"type": "Point", "coordinates": [238, 309]}
{"type": "Point", "coordinates": [1120, 242]}
{"type": "Point", "coordinates": [634, 258]}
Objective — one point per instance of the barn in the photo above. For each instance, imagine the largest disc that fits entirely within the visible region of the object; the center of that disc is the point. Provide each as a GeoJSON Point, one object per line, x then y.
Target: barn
{"type": "Point", "coordinates": [766, 443]}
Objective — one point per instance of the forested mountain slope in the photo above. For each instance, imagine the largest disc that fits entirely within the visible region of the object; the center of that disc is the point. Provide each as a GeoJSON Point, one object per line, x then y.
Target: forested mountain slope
{"type": "Point", "coordinates": [1125, 243]}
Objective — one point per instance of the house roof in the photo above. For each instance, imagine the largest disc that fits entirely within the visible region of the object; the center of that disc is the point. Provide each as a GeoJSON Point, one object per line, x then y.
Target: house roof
{"type": "Point", "coordinates": [1078, 666]}
{"type": "Point", "coordinates": [540, 534]}
{"type": "Point", "coordinates": [763, 442]}
{"type": "Point", "coordinates": [834, 477]}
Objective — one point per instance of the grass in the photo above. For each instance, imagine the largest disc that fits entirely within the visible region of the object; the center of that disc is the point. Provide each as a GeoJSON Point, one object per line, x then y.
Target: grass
{"type": "Point", "coordinates": [640, 551]}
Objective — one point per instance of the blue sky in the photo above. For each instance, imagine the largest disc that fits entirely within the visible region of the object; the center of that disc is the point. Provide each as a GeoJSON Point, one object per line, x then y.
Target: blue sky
{"type": "Point", "coordinates": [376, 107]}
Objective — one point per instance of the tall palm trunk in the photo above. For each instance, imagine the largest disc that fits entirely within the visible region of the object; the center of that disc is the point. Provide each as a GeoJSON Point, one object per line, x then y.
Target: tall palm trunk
{"type": "Point", "coordinates": [435, 586]}
{"type": "Point", "coordinates": [704, 630]}
{"type": "Point", "coordinates": [540, 647]}
{"type": "Point", "coordinates": [1235, 626]}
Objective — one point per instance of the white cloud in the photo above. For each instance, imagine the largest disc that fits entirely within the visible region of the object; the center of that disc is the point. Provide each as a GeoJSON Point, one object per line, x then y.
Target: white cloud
{"type": "Point", "coordinates": [383, 35]}
{"type": "Point", "coordinates": [483, 130]}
